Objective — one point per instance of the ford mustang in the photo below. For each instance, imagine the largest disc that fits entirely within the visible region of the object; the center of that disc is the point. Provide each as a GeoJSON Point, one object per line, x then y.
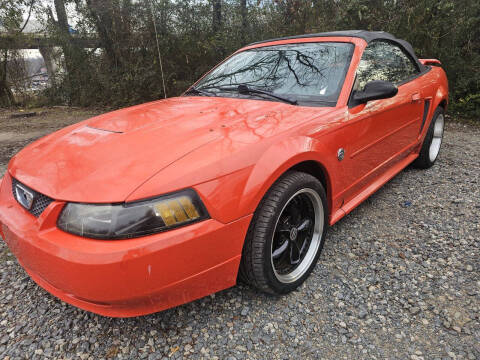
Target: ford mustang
{"type": "Point", "coordinates": [148, 207]}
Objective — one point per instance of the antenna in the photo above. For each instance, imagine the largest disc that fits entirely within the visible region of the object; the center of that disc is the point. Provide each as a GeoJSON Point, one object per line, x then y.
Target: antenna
{"type": "Point", "coordinates": [158, 49]}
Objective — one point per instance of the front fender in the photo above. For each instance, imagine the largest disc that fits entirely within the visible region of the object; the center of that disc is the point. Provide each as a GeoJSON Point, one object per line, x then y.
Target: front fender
{"type": "Point", "coordinates": [278, 159]}
{"type": "Point", "coordinates": [233, 186]}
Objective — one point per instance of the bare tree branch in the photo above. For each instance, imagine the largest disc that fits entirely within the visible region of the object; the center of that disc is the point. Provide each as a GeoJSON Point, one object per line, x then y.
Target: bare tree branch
{"type": "Point", "coordinates": [28, 17]}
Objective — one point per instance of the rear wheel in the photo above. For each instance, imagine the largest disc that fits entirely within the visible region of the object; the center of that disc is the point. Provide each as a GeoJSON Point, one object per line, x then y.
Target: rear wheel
{"type": "Point", "coordinates": [286, 235]}
{"type": "Point", "coordinates": [432, 142]}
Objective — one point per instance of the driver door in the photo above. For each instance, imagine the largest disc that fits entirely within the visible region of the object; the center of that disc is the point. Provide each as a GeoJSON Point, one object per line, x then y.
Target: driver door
{"type": "Point", "coordinates": [381, 130]}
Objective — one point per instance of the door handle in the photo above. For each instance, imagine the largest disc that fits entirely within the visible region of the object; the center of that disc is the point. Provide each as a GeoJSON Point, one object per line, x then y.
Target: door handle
{"type": "Point", "coordinates": [416, 98]}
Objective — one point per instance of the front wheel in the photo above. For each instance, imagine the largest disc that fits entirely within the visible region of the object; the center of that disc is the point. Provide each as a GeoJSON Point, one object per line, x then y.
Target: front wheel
{"type": "Point", "coordinates": [286, 235]}
{"type": "Point", "coordinates": [432, 142]}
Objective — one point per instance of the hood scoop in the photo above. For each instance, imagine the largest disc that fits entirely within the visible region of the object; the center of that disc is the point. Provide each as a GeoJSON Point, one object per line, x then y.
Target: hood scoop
{"type": "Point", "coordinates": [127, 120]}
{"type": "Point", "coordinates": [112, 131]}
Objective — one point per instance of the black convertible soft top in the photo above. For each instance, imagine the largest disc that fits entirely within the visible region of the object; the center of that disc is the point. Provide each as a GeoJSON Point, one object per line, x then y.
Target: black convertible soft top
{"type": "Point", "coordinates": [362, 34]}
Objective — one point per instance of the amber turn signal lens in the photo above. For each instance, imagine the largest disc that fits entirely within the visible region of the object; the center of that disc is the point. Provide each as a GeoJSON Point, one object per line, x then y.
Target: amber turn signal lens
{"type": "Point", "coordinates": [177, 210]}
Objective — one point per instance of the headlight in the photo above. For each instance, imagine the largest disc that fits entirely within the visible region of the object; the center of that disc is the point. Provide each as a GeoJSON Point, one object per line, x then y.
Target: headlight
{"type": "Point", "coordinates": [129, 220]}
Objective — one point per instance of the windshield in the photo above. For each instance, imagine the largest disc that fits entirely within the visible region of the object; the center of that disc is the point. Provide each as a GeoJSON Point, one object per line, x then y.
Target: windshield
{"type": "Point", "coordinates": [306, 72]}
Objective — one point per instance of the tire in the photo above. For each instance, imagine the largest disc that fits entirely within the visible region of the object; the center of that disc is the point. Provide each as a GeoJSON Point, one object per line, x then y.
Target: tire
{"type": "Point", "coordinates": [432, 142]}
{"type": "Point", "coordinates": [296, 200]}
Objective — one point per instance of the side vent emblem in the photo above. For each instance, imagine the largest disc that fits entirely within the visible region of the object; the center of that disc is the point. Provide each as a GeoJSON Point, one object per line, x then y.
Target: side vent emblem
{"type": "Point", "coordinates": [340, 154]}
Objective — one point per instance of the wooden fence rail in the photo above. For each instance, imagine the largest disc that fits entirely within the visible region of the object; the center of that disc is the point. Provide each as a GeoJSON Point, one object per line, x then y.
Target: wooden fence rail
{"type": "Point", "coordinates": [37, 41]}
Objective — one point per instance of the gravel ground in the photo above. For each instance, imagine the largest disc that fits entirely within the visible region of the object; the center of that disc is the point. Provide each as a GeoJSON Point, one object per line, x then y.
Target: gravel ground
{"type": "Point", "coordinates": [398, 278]}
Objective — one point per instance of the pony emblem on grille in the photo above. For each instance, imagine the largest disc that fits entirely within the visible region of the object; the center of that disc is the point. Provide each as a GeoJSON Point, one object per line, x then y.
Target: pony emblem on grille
{"type": "Point", "coordinates": [24, 196]}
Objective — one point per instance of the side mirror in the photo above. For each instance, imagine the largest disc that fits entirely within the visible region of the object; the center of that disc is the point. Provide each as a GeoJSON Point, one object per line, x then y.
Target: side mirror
{"type": "Point", "coordinates": [375, 90]}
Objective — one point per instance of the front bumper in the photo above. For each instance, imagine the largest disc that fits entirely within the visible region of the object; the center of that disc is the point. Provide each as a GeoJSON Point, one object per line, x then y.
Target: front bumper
{"type": "Point", "coordinates": [122, 278]}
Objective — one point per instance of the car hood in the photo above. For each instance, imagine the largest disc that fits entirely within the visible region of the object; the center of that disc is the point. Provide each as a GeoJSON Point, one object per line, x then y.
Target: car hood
{"type": "Point", "coordinates": [105, 158]}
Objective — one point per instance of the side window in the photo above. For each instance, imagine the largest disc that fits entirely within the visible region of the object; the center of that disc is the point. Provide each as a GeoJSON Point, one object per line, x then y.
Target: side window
{"type": "Point", "coordinates": [382, 60]}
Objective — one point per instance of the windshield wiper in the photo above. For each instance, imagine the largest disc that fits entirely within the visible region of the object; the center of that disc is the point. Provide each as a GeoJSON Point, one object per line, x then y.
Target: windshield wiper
{"type": "Point", "coordinates": [245, 90]}
{"type": "Point", "coordinates": [194, 90]}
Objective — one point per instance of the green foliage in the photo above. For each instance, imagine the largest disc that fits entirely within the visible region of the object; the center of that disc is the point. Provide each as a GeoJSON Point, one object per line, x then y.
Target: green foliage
{"type": "Point", "coordinates": [125, 68]}
{"type": "Point", "coordinates": [11, 14]}
{"type": "Point", "coordinates": [468, 106]}
{"type": "Point", "coordinates": [11, 23]}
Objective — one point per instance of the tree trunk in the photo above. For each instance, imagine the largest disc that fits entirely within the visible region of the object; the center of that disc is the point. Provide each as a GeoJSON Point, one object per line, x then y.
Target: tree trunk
{"type": "Point", "coordinates": [62, 28]}
{"type": "Point", "coordinates": [73, 54]}
{"type": "Point", "coordinates": [103, 15]}
{"type": "Point", "coordinates": [243, 12]}
{"type": "Point", "coordinates": [75, 64]}
{"type": "Point", "coordinates": [46, 53]}
{"type": "Point", "coordinates": [62, 20]}
{"type": "Point", "coordinates": [217, 15]}
{"type": "Point", "coordinates": [288, 12]}
{"type": "Point", "coordinates": [163, 10]}
{"type": "Point", "coordinates": [6, 96]}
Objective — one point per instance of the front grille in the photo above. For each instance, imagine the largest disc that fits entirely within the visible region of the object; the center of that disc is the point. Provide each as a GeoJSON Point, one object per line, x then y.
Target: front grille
{"type": "Point", "coordinates": [40, 201]}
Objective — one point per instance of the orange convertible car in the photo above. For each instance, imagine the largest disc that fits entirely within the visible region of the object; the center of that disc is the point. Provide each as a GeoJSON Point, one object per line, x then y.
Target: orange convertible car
{"type": "Point", "coordinates": [152, 206]}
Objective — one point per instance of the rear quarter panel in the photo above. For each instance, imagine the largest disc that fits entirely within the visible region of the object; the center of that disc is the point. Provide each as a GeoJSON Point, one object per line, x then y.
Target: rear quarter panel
{"type": "Point", "coordinates": [434, 87]}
